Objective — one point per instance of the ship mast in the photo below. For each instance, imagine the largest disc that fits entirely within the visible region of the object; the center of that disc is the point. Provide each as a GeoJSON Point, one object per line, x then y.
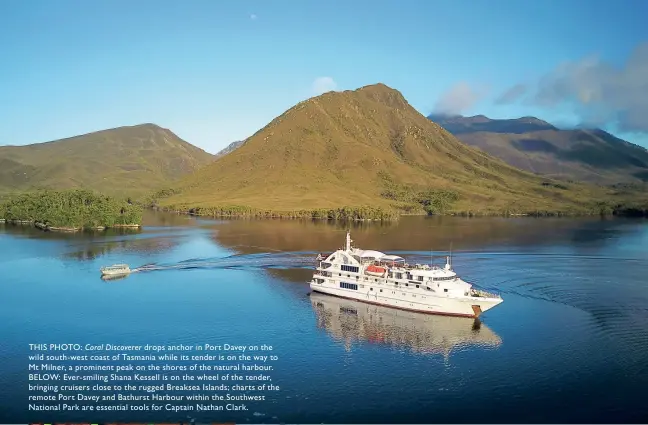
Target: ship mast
{"type": "Point", "coordinates": [348, 241]}
{"type": "Point", "coordinates": [448, 265]}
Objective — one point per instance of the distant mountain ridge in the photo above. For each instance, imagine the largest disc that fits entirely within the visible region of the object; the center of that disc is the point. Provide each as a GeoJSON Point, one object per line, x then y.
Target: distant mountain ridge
{"type": "Point", "coordinates": [362, 147]}
{"type": "Point", "coordinates": [127, 161]}
{"type": "Point", "coordinates": [230, 148]}
{"type": "Point", "coordinates": [462, 125]}
{"type": "Point", "coordinates": [589, 155]}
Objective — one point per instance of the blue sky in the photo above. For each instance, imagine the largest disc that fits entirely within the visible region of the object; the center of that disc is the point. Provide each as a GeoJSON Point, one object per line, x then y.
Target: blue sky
{"type": "Point", "coordinates": [216, 71]}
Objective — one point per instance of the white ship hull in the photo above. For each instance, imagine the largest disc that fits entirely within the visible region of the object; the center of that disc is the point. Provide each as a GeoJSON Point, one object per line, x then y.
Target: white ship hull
{"type": "Point", "coordinates": [464, 307]}
{"type": "Point", "coordinates": [113, 273]}
{"type": "Point", "coordinates": [351, 273]}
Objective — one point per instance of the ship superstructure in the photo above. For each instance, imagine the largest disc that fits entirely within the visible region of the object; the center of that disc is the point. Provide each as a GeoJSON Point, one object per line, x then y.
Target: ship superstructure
{"type": "Point", "coordinates": [378, 278]}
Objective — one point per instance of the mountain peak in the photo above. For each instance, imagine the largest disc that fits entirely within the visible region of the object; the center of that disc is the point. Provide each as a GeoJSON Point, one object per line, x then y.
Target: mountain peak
{"type": "Point", "coordinates": [533, 120]}
{"type": "Point", "coordinates": [148, 125]}
{"type": "Point", "coordinates": [478, 119]}
{"type": "Point", "coordinates": [130, 160]}
{"type": "Point", "coordinates": [377, 87]}
{"type": "Point", "coordinates": [384, 94]}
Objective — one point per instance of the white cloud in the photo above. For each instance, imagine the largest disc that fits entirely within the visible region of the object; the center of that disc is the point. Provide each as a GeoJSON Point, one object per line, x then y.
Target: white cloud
{"type": "Point", "coordinates": [323, 85]}
{"type": "Point", "coordinates": [600, 93]}
{"type": "Point", "coordinates": [459, 98]}
{"type": "Point", "coordinates": [513, 94]}
{"type": "Point", "coordinates": [253, 17]}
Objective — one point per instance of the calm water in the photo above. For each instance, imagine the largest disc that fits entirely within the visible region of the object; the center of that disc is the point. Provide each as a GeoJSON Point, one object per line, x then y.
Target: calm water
{"type": "Point", "coordinates": [569, 343]}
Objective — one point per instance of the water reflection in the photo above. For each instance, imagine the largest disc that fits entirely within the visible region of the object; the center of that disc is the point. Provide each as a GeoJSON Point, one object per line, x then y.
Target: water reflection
{"type": "Point", "coordinates": [28, 230]}
{"type": "Point", "coordinates": [108, 278]}
{"type": "Point", "coordinates": [91, 250]}
{"type": "Point", "coordinates": [292, 275]}
{"type": "Point", "coordinates": [351, 321]}
{"type": "Point", "coordinates": [415, 233]}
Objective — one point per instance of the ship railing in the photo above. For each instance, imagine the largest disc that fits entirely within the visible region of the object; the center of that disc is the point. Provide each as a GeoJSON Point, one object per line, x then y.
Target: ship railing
{"type": "Point", "coordinates": [407, 267]}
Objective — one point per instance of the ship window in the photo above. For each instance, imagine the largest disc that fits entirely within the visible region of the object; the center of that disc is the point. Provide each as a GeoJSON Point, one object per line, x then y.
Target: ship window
{"type": "Point", "coordinates": [349, 286]}
{"type": "Point", "coordinates": [339, 274]}
{"type": "Point", "coordinates": [417, 286]}
{"type": "Point", "coordinates": [420, 278]}
{"type": "Point", "coordinates": [381, 290]}
{"type": "Point", "coordinates": [445, 290]}
{"type": "Point", "coordinates": [407, 284]}
{"type": "Point", "coordinates": [395, 283]}
{"type": "Point", "coordinates": [357, 277]}
{"type": "Point", "coordinates": [391, 274]}
{"type": "Point", "coordinates": [346, 268]}
{"type": "Point", "coordinates": [348, 275]}
{"type": "Point", "coordinates": [371, 289]}
{"type": "Point", "coordinates": [376, 280]}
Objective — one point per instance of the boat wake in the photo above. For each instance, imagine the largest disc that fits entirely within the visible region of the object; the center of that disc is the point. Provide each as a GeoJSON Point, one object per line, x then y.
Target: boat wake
{"type": "Point", "coordinates": [238, 261]}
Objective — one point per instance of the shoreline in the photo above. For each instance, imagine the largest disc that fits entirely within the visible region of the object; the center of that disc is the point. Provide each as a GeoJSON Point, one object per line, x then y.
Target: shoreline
{"type": "Point", "coordinates": [317, 215]}
{"type": "Point", "coordinates": [65, 229]}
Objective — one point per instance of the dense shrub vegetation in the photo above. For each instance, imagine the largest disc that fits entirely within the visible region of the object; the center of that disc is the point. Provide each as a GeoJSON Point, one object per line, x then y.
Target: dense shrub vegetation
{"type": "Point", "coordinates": [344, 213]}
{"type": "Point", "coordinates": [414, 198]}
{"type": "Point", "coordinates": [70, 209]}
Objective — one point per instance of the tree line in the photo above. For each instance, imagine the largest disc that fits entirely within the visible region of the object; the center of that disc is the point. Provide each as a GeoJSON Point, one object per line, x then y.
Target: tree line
{"type": "Point", "coordinates": [77, 208]}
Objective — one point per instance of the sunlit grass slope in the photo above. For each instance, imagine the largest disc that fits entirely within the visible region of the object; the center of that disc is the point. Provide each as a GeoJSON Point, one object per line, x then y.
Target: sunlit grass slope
{"type": "Point", "coordinates": [124, 161]}
{"type": "Point", "coordinates": [366, 147]}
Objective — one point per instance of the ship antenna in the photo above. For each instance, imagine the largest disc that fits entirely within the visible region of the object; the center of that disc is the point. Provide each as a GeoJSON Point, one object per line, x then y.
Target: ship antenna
{"type": "Point", "coordinates": [449, 259]}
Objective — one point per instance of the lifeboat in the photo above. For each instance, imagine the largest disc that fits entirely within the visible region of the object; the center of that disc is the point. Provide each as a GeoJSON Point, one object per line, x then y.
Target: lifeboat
{"type": "Point", "coordinates": [376, 271]}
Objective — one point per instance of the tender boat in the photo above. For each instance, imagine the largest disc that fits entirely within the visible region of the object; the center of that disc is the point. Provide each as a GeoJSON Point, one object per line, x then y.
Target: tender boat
{"type": "Point", "coordinates": [115, 270]}
{"type": "Point", "coordinates": [377, 278]}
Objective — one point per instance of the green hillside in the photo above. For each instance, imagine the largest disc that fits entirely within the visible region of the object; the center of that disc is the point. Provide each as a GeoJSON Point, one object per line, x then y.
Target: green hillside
{"type": "Point", "coordinates": [366, 147]}
{"type": "Point", "coordinates": [124, 161]}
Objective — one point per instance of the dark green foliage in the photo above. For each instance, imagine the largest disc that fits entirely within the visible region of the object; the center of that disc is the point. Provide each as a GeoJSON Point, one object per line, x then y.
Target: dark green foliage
{"type": "Point", "coordinates": [153, 199]}
{"type": "Point", "coordinates": [432, 201]}
{"type": "Point", "coordinates": [631, 210]}
{"type": "Point", "coordinates": [70, 208]}
{"type": "Point", "coordinates": [436, 201]}
{"type": "Point", "coordinates": [556, 185]}
{"type": "Point", "coordinates": [344, 213]}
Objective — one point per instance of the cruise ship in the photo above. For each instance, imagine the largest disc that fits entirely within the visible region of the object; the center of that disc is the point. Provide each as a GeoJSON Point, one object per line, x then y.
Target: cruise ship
{"type": "Point", "coordinates": [377, 278]}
